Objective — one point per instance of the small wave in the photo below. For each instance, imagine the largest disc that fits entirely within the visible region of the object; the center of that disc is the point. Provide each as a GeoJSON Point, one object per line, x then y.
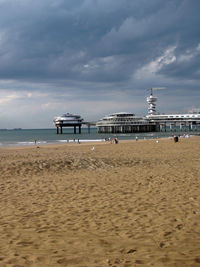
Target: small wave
{"type": "Point", "coordinates": [126, 135]}
{"type": "Point", "coordinates": [25, 143]}
{"type": "Point", "coordinates": [29, 143]}
{"type": "Point", "coordinates": [80, 140]}
{"type": "Point", "coordinates": [92, 140]}
{"type": "Point", "coordinates": [41, 142]}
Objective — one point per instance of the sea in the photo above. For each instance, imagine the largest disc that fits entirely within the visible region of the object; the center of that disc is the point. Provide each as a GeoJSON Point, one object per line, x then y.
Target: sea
{"type": "Point", "coordinates": [27, 137]}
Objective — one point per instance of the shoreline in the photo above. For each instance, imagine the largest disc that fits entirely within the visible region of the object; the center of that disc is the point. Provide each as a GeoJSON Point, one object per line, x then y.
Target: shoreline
{"type": "Point", "coordinates": [85, 141]}
{"type": "Point", "coordinates": [90, 145]}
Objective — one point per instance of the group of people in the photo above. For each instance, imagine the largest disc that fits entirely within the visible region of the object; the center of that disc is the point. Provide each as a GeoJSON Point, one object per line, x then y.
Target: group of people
{"type": "Point", "coordinates": [112, 141]}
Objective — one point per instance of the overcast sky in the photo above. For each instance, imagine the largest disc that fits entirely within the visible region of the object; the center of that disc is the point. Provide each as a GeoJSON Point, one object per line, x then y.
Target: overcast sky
{"type": "Point", "coordinates": [96, 57]}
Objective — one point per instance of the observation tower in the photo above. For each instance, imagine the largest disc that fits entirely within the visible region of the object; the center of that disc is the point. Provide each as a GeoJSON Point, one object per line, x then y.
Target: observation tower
{"type": "Point", "coordinates": [151, 100]}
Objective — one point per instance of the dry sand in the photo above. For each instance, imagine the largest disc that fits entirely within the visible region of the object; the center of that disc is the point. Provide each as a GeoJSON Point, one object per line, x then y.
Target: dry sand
{"type": "Point", "coordinates": [130, 204]}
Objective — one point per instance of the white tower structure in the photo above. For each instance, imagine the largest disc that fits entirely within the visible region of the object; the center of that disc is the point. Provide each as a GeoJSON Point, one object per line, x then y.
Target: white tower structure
{"type": "Point", "coordinates": [151, 100]}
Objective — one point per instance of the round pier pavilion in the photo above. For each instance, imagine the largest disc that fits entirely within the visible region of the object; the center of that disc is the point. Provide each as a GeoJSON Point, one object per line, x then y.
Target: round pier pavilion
{"type": "Point", "coordinates": [68, 120]}
{"type": "Point", "coordinates": [125, 122]}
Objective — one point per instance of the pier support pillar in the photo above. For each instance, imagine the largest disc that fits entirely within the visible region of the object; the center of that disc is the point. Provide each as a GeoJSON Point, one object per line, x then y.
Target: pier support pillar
{"type": "Point", "coordinates": [74, 129]}
{"type": "Point", "coordinates": [61, 131]}
{"type": "Point", "coordinates": [89, 128]}
{"type": "Point", "coordinates": [190, 126]}
{"type": "Point", "coordinates": [181, 126]}
{"type": "Point", "coordinates": [79, 129]}
{"type": "Point", "coordinates": [165, 126]}
{"type": "Point", "coordinates": [57, 129]}
{"type": "Point", "coordinates": [193, 126]}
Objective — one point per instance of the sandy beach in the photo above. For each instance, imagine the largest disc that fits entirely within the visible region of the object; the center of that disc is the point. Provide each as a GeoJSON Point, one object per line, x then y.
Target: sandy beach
{"type": "Point", "coordinates": [130, 204]}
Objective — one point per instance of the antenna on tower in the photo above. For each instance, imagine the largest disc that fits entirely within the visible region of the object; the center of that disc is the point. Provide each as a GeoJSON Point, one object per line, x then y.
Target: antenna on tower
{"type": "Point", "coordinates": [157, 88]}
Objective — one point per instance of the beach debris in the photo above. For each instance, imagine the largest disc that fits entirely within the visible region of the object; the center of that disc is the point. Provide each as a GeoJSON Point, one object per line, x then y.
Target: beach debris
{"type": "Point", "coordinates": [108, 261]}
{"type": "Point", "coordinates": [157, 141]}
{"type": "Point", "coordinates": [179, 226]}
{"type": "Point", "coordinates": [197, 260]}
{"type": "Point", "coordinates": [131, 251]}
{"type": "Point", "coordinates": [93, 148]}
{"type": "Point", "coordinates": [167, 233]}
{"type": "Point", "coordinates": [113, 262]}
{"type": "Point", "coordinates": [162, 244]}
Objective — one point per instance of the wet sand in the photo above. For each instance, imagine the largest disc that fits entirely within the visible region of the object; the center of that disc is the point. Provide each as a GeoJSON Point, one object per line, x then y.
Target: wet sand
{"type": "Point", "coordinates": [130, 204]}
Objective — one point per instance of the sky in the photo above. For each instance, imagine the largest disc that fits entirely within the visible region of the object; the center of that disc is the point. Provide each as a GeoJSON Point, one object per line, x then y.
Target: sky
{"type": "Point", "coordinates": [96, 57]}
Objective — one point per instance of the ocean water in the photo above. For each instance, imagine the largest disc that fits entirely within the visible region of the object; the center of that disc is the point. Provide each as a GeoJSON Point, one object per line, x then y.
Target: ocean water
{"type": "Point", "coordinates": [27, 137]}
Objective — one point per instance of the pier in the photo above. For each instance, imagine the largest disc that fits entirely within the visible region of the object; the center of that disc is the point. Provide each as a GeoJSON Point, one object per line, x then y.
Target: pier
{"type": "Point", "coordinates": [59, 128]}
{"type": "Point", "coordinates": [68, 120]}
{"type": "Point", "coordinates": [76, 127]}
{"type": "Point", "coordinates": [125, 129]}
{"type": "Point", "coordinates": [173, 122]}
{"type": "Point", "coordinates": [125, 122]}
{"type": "Point", "coordinates": [71, 121]}
{"type": "Point", "coordinates": [89, 124]}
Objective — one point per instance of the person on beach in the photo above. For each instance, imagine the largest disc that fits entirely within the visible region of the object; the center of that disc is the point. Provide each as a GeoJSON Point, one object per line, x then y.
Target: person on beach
{"type": "Point", "coordinates": [35, 141]}
{"type": "Point", "coordinates": [175, 139]}
{"type": "Point", "coordinates": [115, 141]}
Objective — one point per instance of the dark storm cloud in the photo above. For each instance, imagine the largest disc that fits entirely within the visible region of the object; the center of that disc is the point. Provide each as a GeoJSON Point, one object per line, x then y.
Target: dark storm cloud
{"type": "Point", "coordinates": [98, 41]}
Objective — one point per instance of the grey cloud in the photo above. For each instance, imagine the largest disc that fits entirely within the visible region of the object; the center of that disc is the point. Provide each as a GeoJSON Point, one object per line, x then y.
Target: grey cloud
{"type": "Point", "coordinates": [58, 34]}
{"type": "Point", "coordinates": [46, 40]}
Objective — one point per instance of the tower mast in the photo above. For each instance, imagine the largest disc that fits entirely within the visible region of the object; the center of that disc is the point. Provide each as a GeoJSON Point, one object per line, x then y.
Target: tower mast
{"type": "Point", "coordinates": [151, 100]}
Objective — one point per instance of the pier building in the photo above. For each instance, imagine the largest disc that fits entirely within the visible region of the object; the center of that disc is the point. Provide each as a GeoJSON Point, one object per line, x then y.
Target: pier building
{"type": "Point", "coordinates": [68, 120]}
{"type": "Point", "coordinates": [183, 122]}
{"type": "Point", "coordinates": [125, 122]}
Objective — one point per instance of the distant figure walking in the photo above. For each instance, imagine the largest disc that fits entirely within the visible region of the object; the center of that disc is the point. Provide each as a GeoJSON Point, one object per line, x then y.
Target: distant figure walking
{"type": "Point", "coordinates": [36, 143]}
{"type": "Point", "coordinates": [116, 141]}
{"type": "Point", "coordinates": [136, 138]}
